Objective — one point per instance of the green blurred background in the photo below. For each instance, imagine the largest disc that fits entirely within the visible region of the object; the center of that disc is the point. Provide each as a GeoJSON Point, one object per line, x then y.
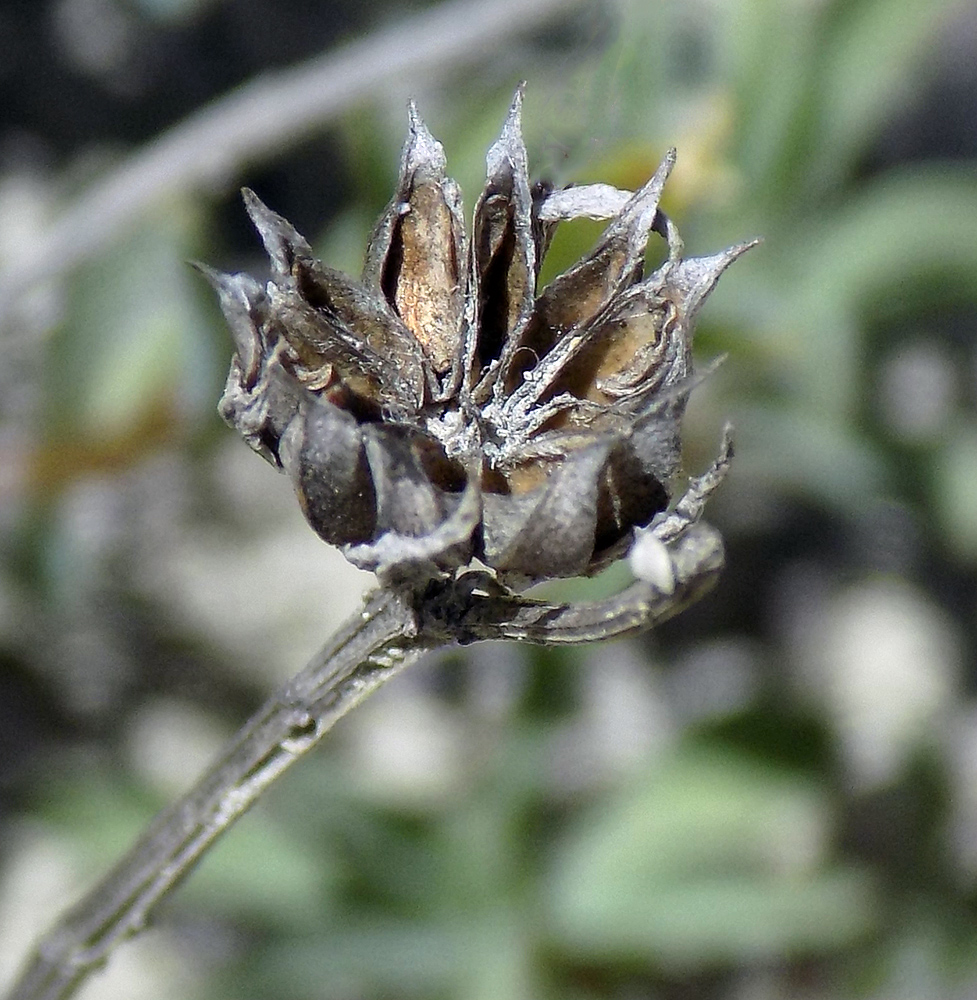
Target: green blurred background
{"type": "Point", "coordinates": [772, 796]}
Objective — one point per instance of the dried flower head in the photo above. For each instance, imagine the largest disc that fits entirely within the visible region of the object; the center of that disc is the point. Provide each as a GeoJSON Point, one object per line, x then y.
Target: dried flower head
{"type": "Point", "coordinates": [439, 409]}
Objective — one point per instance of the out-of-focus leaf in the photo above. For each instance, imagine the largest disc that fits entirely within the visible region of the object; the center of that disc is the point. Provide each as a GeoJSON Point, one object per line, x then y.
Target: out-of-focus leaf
{"type": "Point", "coordinates": [906, 237]}
{"type": "Point", "coordinates": [772, 49]}
{"type": "Point", "coordinates": [908, 226]}
{"type": "Point", "coordinates": [712, 858]}
{"type": "Point", "coordinates": [132, 342]}
{"type": "Point", "coordinates": [477, 958]}
{"type": "Point", "coordinates": [170, 10]}
{"type": "Point", "coordinates": [815, 456]}
{"type": "Point", "coordinates": [259, 870]}
{"type": "Point", "coordinates": [816, 82]}
{"type": "Point", "coordinates": [868, 71]}
{"type": "Point", "coordinates": [954, 469]}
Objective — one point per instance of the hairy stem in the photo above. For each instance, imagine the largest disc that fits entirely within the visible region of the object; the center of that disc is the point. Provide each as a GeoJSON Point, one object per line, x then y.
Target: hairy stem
{"type": "Point", "coordinates": [369, 648]}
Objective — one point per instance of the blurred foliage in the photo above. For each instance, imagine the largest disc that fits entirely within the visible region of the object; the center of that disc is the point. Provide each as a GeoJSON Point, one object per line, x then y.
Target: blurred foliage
{"type": "Point", "coordinates": [773, 796]}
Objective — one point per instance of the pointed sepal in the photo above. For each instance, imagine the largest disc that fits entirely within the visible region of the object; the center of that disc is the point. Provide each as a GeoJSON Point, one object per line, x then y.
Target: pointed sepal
{"type": "Point", "coordinates": [689, 281]}
{"type": "Point", "coordinates": [243, 303]}
{"type": "Point", "coordinates": [282, 241]}
{"type": "Point", "coordinates": [504, 253]}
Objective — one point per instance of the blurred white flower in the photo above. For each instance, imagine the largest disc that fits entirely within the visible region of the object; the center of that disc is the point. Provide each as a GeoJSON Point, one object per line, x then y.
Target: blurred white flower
{"type": "Point", "coordinates": [884, 661]}
{"type": "Point", "coordinates": [917, 391]}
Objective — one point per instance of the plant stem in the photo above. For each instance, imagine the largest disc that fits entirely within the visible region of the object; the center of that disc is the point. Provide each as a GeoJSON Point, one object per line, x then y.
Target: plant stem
{"type": "Point", "coordinates": [368, 649]}
{"type": "Point", "coordinates": [697, 559]}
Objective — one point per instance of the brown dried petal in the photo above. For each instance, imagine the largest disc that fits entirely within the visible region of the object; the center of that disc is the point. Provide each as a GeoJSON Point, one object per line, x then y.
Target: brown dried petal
{"type": "Point", "coordinates": [618, 355]}
{"type": "Point", "coordinates": [504, 258]}
{"type": "Point", "coordinates": [424, 282]}
{"type": "Point", "coordinates": [324, 362]}
{"type": "Point", "coordinates": [655, 438]}
{"type": "Point", "coordinates": [408, 502]}
{"type": "Point", "coordinates": [416, 254]}
{"type": "Point", "coordinates": [643, 343]}
{"type": "Point", "coordinates": [322, 452]}
{"type": "Point", "coordinates": [360, 327]}
{"type": "Point", "coordinates": [448, 546]}
{"type": "Point", "coordinates": [329, 319]}
{"type": "Point", "coordinates": [576, 297]}
{"type": "Point", "coordinates": [629, 493]}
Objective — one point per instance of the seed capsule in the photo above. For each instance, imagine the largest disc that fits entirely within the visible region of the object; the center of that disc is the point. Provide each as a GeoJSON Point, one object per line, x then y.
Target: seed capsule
{"type": "Point", "coordinates": [439, 409]}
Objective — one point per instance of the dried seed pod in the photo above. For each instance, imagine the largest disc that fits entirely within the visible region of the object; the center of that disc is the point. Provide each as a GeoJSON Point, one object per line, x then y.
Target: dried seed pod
{"type": "Point", "coordinates": [439, 410]}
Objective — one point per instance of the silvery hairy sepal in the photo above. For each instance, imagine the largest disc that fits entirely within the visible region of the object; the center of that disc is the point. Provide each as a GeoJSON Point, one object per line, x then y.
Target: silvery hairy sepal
{"type": "Point", "coordinates": [440, 410]}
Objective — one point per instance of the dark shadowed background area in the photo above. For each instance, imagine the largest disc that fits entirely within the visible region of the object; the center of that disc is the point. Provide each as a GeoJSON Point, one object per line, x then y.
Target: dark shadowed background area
{"type": "Point", "coordinates": [773, 796]}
